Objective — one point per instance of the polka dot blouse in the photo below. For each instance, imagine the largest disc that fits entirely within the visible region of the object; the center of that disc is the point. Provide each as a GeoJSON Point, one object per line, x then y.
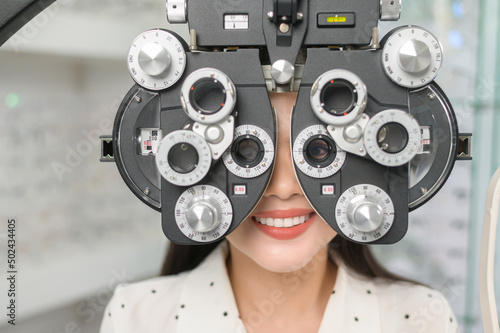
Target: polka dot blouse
{"type": "Point", "coordinates": [201, 300]}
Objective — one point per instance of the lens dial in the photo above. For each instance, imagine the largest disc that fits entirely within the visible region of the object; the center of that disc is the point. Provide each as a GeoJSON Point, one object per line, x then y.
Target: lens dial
{"type": "Point", "coordinates": [208, 96]}
{"type": "Point", "coordinates": [156, 59]}
{"type": "Point", "coordinates": [203, 213]}
{"type": "Point", "coordinates": [338, 97]}
{"type": "Point", "coordinates": [183, 158]}
{"type": "Point", "coordinates": [392, 137]}
{"type": "Point", "coordinates": [364, 213]}
{"type": "Point", "coordinates": [316, 154]}
{"type": "Point", "coordinates": [251, 153]}
{"type": "Point", "coordinates": [412, 56]}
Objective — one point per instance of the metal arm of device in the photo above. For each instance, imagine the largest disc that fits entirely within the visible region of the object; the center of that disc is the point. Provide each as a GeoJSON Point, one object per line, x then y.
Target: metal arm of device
{"type": "Point", "coordinates": [487, 262]}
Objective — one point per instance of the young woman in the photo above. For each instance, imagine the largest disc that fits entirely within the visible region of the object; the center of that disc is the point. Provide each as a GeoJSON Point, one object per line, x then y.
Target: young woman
{"type": "Point", "coordinates": [265, 277]}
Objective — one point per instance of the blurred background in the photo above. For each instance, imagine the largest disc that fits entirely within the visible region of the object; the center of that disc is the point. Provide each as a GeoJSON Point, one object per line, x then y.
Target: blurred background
{"type": "Point", "coordinates": [80, 231]}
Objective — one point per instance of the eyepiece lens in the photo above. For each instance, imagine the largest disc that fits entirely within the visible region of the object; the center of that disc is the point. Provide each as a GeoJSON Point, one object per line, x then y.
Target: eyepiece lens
{"type": "Point", "coordinates": [247, 150]}
{"type": "Point", "coordinates": [208, 96]}
{"type": "Point", "coordinates": [339, 97]}
{"type": "Point", "coordinates": [183, 157]}
{"type": "Point", "coordinates": [318, 150]}
{"type": "Point", "coordinates": [392, 138]}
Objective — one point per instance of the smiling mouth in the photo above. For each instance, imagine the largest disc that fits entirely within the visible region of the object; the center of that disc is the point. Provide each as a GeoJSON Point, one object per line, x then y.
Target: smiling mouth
{"type": "Point", "coordinates": [283, 223]}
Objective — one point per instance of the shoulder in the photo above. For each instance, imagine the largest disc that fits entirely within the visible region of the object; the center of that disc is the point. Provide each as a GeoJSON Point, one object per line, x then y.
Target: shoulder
{"type": "Point", "coordinates": [164, 289]}
{"type": "Point", "coordinates": [409, 307]}
{"type": "Point", "coordinates": [132, 303]}
{"type": "Point", "coordinates": [168, 303]}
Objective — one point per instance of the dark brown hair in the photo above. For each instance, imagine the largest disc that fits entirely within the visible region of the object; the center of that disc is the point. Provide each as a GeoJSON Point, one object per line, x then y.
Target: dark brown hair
{"type": "Point", "coordinates": [357, 257]}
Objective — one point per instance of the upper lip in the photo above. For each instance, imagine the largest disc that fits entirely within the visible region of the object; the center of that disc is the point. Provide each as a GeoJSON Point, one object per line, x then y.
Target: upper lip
{"type": "Point", "coordinates": [283, 214]}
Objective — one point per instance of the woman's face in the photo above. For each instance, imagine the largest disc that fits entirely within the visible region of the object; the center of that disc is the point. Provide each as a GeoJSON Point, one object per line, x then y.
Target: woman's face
{"type": "Point", "coordinates": [283, 233]}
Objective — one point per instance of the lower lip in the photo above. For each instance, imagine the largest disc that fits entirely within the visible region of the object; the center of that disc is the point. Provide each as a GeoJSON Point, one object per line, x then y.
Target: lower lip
{"type": "Point", "coordinates": [286, 233]}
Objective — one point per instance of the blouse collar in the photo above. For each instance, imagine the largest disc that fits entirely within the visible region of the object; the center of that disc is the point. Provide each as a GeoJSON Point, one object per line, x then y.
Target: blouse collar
{"type": "Point", "coordinates": [208, 293]}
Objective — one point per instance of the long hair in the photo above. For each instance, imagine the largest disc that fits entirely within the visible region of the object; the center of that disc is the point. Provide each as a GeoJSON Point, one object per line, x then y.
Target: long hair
{"type": "Point", "coordinates": [357, 257]}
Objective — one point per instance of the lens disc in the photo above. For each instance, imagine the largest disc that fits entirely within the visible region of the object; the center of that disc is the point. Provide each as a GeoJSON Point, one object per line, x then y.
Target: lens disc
{"type": "Point", "coordinates": [184, 158]}
{"type": "Point", "coordinates": [315, 153]}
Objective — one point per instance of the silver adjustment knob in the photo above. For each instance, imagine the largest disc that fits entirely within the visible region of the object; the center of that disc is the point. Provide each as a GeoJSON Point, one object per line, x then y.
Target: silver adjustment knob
{"type": "Point", "coordinates": [282, 71]}
{"type": "Point", "coordinates": [214, 134]}
{"type": "Point", "coordinates": [203, 215]}
{"type": "Point", "coordinates": [415, 56]}
{"type": "Point", "coordinates": [177, 11]}
{"type": "Point", "coordinates": [411, 56]}
{"type": "Point", "coordinates": [364, 214]}
{"type": "Point", "coordinates": [353, 133]}
{"type": "Point", "coordinates": [390, 10]}
{"type": "Point", "coordinates": [154, 59]}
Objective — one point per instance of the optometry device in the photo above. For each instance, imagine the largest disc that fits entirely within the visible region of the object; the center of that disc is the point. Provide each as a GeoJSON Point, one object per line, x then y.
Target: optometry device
{"type": "Point", "coordinates": [373, 136]}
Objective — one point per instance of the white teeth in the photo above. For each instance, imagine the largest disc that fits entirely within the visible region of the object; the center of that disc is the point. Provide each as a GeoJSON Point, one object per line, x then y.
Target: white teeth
{"type": "Point", "coordinates": [283, 223]}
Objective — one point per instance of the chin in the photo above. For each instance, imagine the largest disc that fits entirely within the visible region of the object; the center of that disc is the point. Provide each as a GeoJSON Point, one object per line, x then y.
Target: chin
{"type": "Point", "coordinates": [283, 255]}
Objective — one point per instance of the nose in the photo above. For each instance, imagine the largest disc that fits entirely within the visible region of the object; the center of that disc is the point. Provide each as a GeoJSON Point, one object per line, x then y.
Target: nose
{"type": "Point", "coordinates": [283, 184]}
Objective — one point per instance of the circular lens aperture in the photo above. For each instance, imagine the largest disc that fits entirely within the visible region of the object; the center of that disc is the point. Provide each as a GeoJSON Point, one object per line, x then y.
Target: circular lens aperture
{"type": "Point", "coordinates": [251, 154]}
{"type": "Point", "coordinates": [318, 150]}
{"type": "Point", "coordinates": [339, 97]}
{"type": "Point", "coordinates": [392, 138]}
{"type": "Point", "coordinates": [316, 154]}
{"type": "Point", "coordinates": [208, 96]}
{"type": "Point", "coordinates": [248, 151]}
{"type": "Point", "coordinates": [183, 158]}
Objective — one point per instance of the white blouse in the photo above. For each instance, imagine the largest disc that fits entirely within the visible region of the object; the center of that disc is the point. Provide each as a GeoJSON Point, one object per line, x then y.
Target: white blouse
{"type": "Point", "coordinates": [202, 300]}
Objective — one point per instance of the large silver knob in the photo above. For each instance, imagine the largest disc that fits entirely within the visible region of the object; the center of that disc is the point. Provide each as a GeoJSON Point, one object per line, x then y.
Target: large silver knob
{"type": "Point", "coordinates": [365, 214]}
{"type": "Point", "coordinates": [282, 71]}
{"type": "Point", "coordinates": [411, 56]}
{"type": "Point", "coordinates": [154, 59]}
{"type": "Point", "coordinates": [203, 215]}
{"type": "Point", "coordinates": [414, 56]}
